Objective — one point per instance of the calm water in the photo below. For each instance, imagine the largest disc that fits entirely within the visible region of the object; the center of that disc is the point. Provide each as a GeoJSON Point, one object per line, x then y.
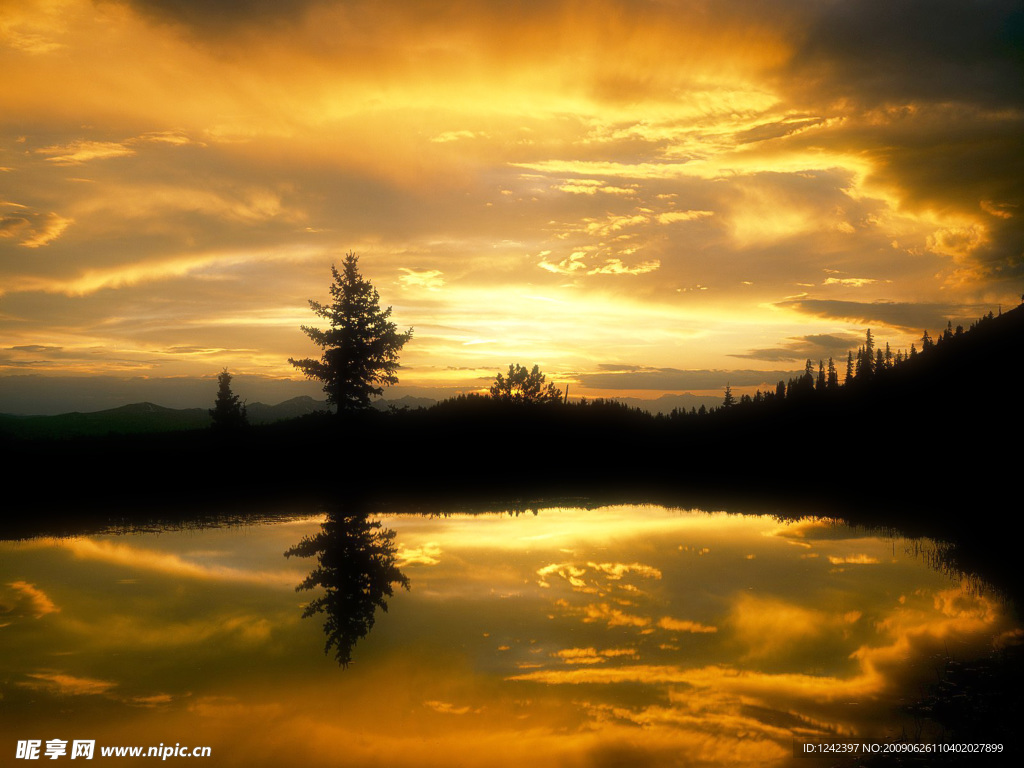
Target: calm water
{"type": "Point", "coordinates": [622, 635]}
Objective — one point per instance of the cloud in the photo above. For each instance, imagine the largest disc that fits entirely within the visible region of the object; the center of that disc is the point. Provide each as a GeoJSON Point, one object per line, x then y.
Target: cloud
{"type": "Point", "coordinates": [592, 655]}
{"type": "Point", "coordinates": [593, 577]}
{"type": "Point", "coordinates": [678, 625]}
{"type": "Point", "coordinates": [859, 559]}
{"type": "Point", "coordinates": [428, 553]}
{"type": "Point", "coordinates": [31, 229]}
{"type": "Point", "coordinates": [614, 617]}
{"type": "Point", "coordinates": [643, 378]}
{"type": "Point", "coordinates": [24, 599]}
{"type": "Point", "coordinates": [819, 346]}
{"type": "Point", "coordinates": [616, 267]}
{"type": "Point", "coordinates": [36, 348]}
{"type": "Point", "coordinates": [593, 186]}
{"type": "Point", "coordinates": [149, 560]}
{"type": "Point", "coordinates": [931, 94]}
{"type": "Point", "coordinates": [903, 315]}
{"type": "Point", "coordinates": [83, 151]}
{"type": "Point", "coordinates": [447, 708]}
{"type": "Point", "coordinates": [430, 279]}
{"type": "Point", "coordinates": [850, 282]}
{"type": "Point", "coordinates": [218, 18]}
{"type": "Point", "coordinates": [63, 684]}
{"type": "Point", "coordinates": [883, 52]}
{"type": "Point", "coordinates": [820, 688]}
{"type": "Point", "coordinates": [769, 627]}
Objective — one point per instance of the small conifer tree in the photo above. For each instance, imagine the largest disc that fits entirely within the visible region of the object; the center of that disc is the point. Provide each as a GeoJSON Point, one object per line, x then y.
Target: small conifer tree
{"type": "Point", "coordinates": [228, 413]}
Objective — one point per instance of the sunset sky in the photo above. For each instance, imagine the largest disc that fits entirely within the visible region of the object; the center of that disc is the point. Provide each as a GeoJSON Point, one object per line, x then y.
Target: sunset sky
{"type": "Point", "coordinates": [641, 197]}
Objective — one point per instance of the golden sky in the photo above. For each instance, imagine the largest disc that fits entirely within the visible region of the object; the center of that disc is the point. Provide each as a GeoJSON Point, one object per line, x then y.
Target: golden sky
{"type": "Point", "coordinates": [642, 197]}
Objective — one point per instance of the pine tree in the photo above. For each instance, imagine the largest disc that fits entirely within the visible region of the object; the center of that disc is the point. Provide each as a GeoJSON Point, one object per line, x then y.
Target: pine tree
{"type": "Point", "coordinates": [361, 346]}
{"type": "Point", "coordinates": [728, 401]}
{"type": "Point", "coordinates": [227, 412]}
{"type": "Point", "coordinates": [866, 358]}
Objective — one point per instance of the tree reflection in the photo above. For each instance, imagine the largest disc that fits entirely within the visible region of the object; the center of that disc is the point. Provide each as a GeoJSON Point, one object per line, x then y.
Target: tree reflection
{"type": "Point", "coordinates": [357, 569]}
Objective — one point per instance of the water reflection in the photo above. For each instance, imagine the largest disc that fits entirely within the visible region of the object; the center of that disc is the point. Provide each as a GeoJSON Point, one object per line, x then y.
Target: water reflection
{"type": "Point", "coordinates": [621, 635]}
{"type": "Point", "coordinates": [357, 571]}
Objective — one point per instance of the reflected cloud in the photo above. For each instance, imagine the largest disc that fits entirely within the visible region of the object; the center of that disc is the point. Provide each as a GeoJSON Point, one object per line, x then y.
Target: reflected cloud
{"type": "Point", "coordinates": [63, 684]}
{"type": "Point", "coordinates": [427, 554]}
{"type": "Point", "coordinates": [447, 708]}
{"type": "Point", "coordinates": [606, 576]}
{"type": "Point", "coordinates": [853, 560]}
{"type": "Point", "coordinates": [768, 627]}
{"type": "Point", "coordinates": [228, 630]}
{"type": "Point", "coordinates": [721, 684]}
{"type": "Point", "coordinates": [613, 617]}
{"type": "Point", "coordinates": [150, 560]}
{"type": "Point", "coordinates": [677, 625]}
{"type": "Point", "coordinates": [592, 655]}
{"type": "Point", "coordinates": [24, 599]}
{"type": "Point", "coordinates": [149, 702]}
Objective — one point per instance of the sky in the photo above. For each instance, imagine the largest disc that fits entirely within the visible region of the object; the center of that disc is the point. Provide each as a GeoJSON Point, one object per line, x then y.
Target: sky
{"type": "Point", "coordinates": [645, 197]}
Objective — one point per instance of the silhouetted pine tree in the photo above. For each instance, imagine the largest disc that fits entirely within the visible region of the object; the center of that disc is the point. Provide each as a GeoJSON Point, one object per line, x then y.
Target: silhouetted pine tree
{"type": "Point", "coordinates": [227, 412]}
{"type": "Point", "coordinates": [832, 382]}
{"type": "Point", "coordinates": [360, 346]}
{"type": "Point", "coordinates": [729, 401]}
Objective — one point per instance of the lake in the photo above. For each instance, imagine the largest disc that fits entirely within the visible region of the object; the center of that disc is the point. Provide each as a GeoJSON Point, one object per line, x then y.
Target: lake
{"type": "Point", "coordinates": [620, 635]}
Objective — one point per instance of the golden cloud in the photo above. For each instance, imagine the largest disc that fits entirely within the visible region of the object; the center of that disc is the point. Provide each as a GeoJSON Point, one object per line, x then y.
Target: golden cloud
{"type": "Point", "coordinates": [67, 685]}
{"type": "Point", "coordinates": [678, 625]}
{"type": "Point", "coordinates": [150, 560]}
{"type": "Point", "coordinates": [26, 599]}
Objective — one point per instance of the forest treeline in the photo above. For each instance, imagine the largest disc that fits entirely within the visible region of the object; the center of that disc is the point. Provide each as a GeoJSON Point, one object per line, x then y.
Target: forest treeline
{"type": "Point", "coordinates": [935, 428]}
{"type": "Point", "coordinates": [872, 366]}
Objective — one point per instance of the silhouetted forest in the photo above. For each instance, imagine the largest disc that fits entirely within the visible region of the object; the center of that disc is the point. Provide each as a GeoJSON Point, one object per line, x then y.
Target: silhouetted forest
{"type": "Point", "coordinates": [925, 437]}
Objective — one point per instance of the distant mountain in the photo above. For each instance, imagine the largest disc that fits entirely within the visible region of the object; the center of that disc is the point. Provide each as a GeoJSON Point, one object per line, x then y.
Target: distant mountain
{"type": "Point", "coordinates": [261, 413]}
{"type": "Point", "coordinates": [149, 417]}
{"type": "Point", "coordinates": [128, 419]}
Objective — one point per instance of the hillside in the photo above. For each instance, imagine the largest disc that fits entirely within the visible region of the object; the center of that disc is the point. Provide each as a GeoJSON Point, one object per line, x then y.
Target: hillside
{"type": "Point", "coordinates": [128, 419]}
